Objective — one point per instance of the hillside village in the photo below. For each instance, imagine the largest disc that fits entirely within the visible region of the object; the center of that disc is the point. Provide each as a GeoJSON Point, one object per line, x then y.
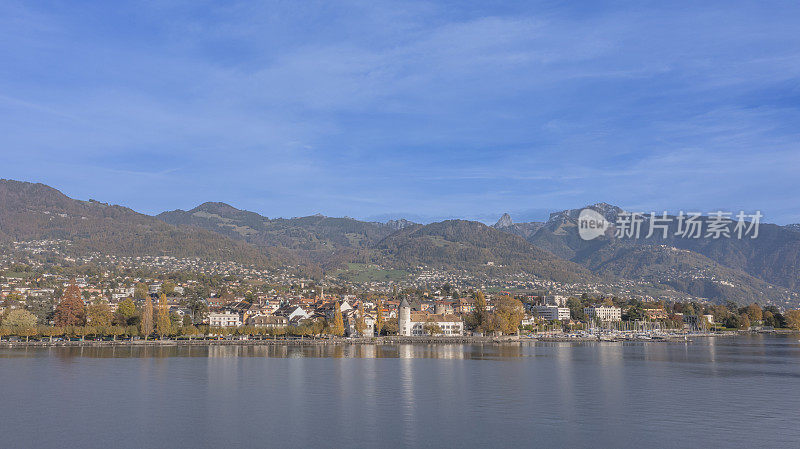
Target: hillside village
{"type": "Point", "coordinates": [167, 297]}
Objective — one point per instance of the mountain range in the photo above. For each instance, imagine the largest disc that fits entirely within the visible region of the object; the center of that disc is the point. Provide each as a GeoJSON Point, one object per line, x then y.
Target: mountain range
{"type": "Point", "coordinates": [764, 269]}
{"type": "Point", "coordinates": [31, 211]}
{"type": "Point", "coordinates": [774, 256]}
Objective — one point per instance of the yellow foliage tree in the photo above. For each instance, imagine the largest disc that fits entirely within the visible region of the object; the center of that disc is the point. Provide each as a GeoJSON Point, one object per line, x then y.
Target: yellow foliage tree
{"type": "Point", "coordinates": [163, 324]}
{"type": "Point", "coordinates": [793, 319]}
{"type": "Point", "coordinates": [338, 323]}
{"type": "Point", "coordinates": [147, 318]}
{"type": "Point", "coordinates": [379, 316]}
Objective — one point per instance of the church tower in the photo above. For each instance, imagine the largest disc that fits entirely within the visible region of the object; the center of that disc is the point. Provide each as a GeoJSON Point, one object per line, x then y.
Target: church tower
{"type": "Point", "coordinates": [404, 318]}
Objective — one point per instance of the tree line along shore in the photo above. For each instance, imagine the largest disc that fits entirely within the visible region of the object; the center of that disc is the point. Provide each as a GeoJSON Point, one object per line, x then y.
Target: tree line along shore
{"type": "Point", "coordinates": [74, 320]}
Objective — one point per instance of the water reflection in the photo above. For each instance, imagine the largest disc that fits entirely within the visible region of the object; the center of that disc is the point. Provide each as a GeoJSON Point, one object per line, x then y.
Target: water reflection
{"type": "Point", "coordinates": [606, 355]}
{"type": "Point", "coordinates": [368, 395]}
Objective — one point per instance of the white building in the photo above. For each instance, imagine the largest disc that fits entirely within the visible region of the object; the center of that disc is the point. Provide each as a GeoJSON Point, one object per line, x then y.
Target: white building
{"type": "Point", "coordinates": [556, 300]}
{"type": "Point", "coordinates": [293, 313]}
{"type": "Point", "coordinates": [603, 313]}
{"type": "Point", "coordinates": [419, 323]}
{"type": "Point", "coordinates": [551, 312]}
{"type": "Point", "coordinates": [224, 319]}
{"type": "Point", "coordinates": [268, 321]}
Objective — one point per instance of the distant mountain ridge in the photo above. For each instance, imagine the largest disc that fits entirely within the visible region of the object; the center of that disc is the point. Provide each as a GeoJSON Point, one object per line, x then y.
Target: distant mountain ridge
{"type": "Point", "coordinates": [462, 244]}
{"type": "Point", "coordinates": [768, 264]}
{"type": "Point", "coordinates": [315, 232]}
{"type": "Point", "coordinates": [762, 269]}
{"type": "Point", "coordinates": [451, 244]}
{"type": "Point", "coordinates": [524, 230]}
{"type": "Point", "coordinates": [31, 211]}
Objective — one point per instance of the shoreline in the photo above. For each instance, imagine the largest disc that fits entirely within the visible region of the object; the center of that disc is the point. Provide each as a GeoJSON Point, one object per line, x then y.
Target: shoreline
{"type": "Point", "coordinates": [388, 340]}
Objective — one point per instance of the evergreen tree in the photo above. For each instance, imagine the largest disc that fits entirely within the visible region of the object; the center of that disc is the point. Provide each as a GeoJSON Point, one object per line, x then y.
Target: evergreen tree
{"type": "Point", "coordinates": [43, 308]}
{"type": "Point", "coordinates": [126, 311]}
{"type": "Point", "coordinates": [140, 291]}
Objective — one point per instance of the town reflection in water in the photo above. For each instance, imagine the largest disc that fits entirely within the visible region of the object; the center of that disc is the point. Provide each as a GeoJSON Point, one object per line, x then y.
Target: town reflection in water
{"type": "Point", "coordinates": [354, 351]}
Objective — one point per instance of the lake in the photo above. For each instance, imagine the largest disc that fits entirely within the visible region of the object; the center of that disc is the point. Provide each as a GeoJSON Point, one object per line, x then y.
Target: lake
{"type": "Point", "coordinates": [712, 392]}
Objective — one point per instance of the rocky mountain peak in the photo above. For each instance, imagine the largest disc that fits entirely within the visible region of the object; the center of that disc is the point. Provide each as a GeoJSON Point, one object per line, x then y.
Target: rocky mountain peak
{"type": "Point", "coordinates": [504, 222]}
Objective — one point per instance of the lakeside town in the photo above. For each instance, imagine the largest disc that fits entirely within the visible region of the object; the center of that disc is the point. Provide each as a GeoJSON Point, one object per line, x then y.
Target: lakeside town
{"type": "Point", "coordinates": [164, 298]}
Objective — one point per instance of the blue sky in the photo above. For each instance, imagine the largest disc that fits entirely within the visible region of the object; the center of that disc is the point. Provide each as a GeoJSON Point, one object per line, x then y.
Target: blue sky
{"type": "Point", "coordinates": [423, 109]}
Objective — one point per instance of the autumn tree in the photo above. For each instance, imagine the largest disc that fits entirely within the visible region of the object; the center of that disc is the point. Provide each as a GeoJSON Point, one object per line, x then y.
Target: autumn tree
{"type": "Point", "coordinates": [50, 331]}
{"type": "Point", "coordinates": [126, 312]}
{"type": "Point", "coordinates": [99, 314]}
{"type": "Point", "coordinates": [479, 317]}
{"type": "Point", "coordinates": [19, 318]}
{"type": "Point", "coordinates": [163, 322]}
{"type": "Point", "coordinates": [735, 321]}
{"type": "Point", "coordinates": [189, 331]}
{"type": "Point", "coordinates": [70, 310]}
{"type": "Point", "coordinates": [744, 322]}
{"type": "Point", "coordinates": [379, 316]}
{"type": "Point", "coordinates": [754, 312]}
{"type": "Point", "coordinates": [720, 313]}
{"type": "Point", "coordinates": [22, 322]}
{"type": "Point", "coordinates": [769, 319]}
{"type": "Point", "coordinates": [361, 326]}
{"type": "Point", "coordinates": [146, 324]}
{"type": "Point", "coordinates": [338, 323]}
{"type": "Point", "coordinates": [316, 327]}
{"type": "Point", "coordinates": [508, 314]}
{"type": "Point", "coordinates": [793, 319]}
{"type": "Point", "coordinates": [390, 326]}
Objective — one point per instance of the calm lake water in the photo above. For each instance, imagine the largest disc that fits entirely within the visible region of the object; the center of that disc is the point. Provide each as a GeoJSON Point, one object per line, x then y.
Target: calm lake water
{"type": "Point", "coordinates": [742, 392]}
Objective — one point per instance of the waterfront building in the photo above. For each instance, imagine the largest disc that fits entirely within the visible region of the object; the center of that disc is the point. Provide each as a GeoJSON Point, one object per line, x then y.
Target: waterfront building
{"type": "Point", "coordinates": [418, 323]}
{"type": "Point", "coordinates": [656, 314]}
{"type": "Point", "coordinates": [604, 313]}
{"type": "Point", "coordinates": [224, 319]}
{"type": "Point", "coordinates": [551, 312]}
{"type": "Point", "coordinates": [404, 324]}
{"type": "Point", "coordinates": [268, 321]}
